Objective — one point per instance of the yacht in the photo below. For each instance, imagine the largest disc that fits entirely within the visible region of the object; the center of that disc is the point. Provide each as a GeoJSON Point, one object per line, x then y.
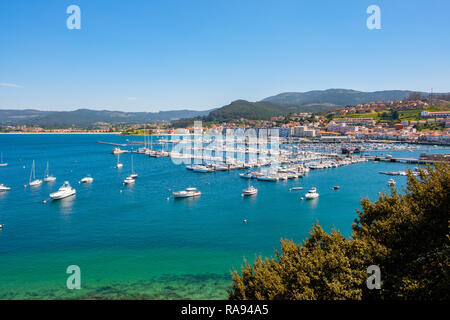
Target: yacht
{"type": "Point", "coordinates": [2, 164]}
{"type": "Point", "coordinates": [249, 191]}
{"type": "Point", "coordinates": [63, 192]}
{"type": "Point", "coordinates": [48, 177]}
{"type": "Point", "coordinates": [391, 182]}
{"type": "Point", "coordinates": [87, 179]}
{"type": "Point", "coordinates": [312, 193]}
{"type": "Point", "coordinates": [33, 181]}
{"type": "Point", "coordinates": [4, 188]}
{"type": "Point", "coordinates": [128, 180]}
{"type": "Point", "coordinates": [188, 192]}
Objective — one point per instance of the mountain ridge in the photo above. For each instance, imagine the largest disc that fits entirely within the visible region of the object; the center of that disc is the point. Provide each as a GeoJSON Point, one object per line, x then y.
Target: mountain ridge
{"type": "Point", "coordinates": [340, 97]}
{"type": "Point", "coordinates": [87, 117]}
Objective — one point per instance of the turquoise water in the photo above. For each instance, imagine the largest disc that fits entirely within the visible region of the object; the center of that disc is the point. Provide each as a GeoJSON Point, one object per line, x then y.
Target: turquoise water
{"type": "Point", "coordinates": [138, 244]}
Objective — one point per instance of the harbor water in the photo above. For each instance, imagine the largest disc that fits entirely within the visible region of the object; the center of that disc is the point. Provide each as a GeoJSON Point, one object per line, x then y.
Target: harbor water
{"type": "Point", "coordinates": [137, 241]}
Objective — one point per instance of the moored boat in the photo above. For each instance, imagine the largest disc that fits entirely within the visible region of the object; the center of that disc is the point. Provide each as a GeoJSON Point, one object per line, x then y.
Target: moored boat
{"type": "Point", "coordinates": [2, 164]}
{"type": "Point", "coordinates": [249, 191]}
{"type": "Point", "coordinates": [33, 181]}
{"type": "Point", "coordinates": [48, 177]}
{"type": "Point", "coordinates": [312, 194]}
{"type": "Point", "coordinates": [63, 192]}
{"type": "Point", "coordinates": [188, 192]}
{"type": "Point", "coordinates": [128, 180]}
{"type": "Point", "coordinates": [4, 188]}
{"type": "Point", "coordinates": [87, 179]}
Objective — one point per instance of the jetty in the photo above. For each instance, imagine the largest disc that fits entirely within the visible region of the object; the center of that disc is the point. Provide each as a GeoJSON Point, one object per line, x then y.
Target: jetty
{"type": "Point", "coordinates": [112, 143]}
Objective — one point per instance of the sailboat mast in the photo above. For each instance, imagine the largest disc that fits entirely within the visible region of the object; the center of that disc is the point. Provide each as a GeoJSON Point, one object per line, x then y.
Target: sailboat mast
{"type": "Point", "coordinates": [46, 171]}
{"type": "Point", "coordinates": [32, 169]}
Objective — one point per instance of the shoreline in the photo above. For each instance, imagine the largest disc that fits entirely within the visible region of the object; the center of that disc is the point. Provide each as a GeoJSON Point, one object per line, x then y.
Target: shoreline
{"type": "Point", "coordinates": [112, 133]}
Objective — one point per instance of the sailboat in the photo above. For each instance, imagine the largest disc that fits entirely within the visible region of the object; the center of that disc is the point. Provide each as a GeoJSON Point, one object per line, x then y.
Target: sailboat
{"type": "Point", "coordinates": [119, 165]}
{"type": "Point", "coordinates": [48, 177]}
{"type": "Point", "coordinates": [33, 181]}
{"type": "Point", "coordinates": [133, 174]}
{"type": "Point", "coordinates": [2, 164]}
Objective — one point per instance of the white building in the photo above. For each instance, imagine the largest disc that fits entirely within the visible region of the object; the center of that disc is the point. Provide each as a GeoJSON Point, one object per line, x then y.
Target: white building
{"type": "Point", "coordinates": [303, 131]}
{"type": "Point", "coordinates": [441, 114]}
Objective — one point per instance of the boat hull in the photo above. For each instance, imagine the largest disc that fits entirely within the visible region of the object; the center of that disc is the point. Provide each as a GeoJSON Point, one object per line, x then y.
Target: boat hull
{"type": "Point", "coordinates": [35, 183]}
{"type": "Point", "coordinates": [59, 196]}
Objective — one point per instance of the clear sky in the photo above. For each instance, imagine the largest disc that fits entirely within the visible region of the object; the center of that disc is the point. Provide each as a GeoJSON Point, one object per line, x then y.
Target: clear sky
{"type": "Point", "coordinates": [198, 54]}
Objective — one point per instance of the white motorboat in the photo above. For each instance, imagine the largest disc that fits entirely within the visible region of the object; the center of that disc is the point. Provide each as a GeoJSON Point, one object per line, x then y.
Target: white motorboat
{"type": "Point", "coordinates": [2, 164]}
{"type": "Point", "coordinates": [188, 192]}
{"type": "Point", "coordinates": [63, 192]}
{"type": "Point", "coordinates": [48, 177]}
{"type": "Point", "coordinates": [312, 194]}
{"type": "Point", "coordinates": [33, 181]}
{"type": "Point", "coordinates": [4, 188]}
{"type": "Point", "coordinates": [249, 191]}
{"type": "Point", "coordinates": [87, 179]}
{"type": "Point", "coordinates": [391, 182]}
{"type": "Point", "coordinates": [129, 180]}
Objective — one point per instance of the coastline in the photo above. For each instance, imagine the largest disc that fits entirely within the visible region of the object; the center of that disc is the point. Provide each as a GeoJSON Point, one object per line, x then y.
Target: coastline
{"type": "Point", "coordinates": [112, 133]}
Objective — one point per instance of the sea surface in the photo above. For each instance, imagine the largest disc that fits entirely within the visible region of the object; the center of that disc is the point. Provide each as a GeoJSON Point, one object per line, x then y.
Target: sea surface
{"type": "Point", "coordinates": [137, 242]}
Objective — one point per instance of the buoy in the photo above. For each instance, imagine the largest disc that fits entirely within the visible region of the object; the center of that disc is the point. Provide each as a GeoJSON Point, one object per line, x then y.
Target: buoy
{"type": "Point", "coordinates": [301, 198]}
{"type": "Point", "coordinates": [245, 220]}
{"type": "Point", "coordinates": [45, 201]}
{"type": "Point", "coordinates": [167, 198]}
{"type": "Point", "coordinates": [121, 191]}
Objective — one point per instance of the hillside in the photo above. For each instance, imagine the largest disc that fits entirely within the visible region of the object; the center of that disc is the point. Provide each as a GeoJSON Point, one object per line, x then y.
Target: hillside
{"type": "Point", "coordinates": [88, 118]}
{"type": "Point", "coordinates": [262, 110]}
{"type": "Point", "coordinates": [338, 97]}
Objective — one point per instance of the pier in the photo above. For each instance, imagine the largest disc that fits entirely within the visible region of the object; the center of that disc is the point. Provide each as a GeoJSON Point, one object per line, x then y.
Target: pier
{"type": "Point", "coordinates": [403, 160]}
{"type": "Point", "coordinates": [112, 143]}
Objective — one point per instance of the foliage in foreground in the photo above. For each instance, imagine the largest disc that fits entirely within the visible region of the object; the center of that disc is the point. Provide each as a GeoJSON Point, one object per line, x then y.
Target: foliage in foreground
{"type": "Point", "coordinates": [406, 235]}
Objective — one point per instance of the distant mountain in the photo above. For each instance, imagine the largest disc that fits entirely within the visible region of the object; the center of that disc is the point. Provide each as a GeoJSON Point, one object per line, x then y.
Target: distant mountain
{"type": "Point", "coordinates": [89, 118]}
{"type": "Point", "coordinates": [262, 110]}
{"type": "Point", "coordinates": [338, 97]}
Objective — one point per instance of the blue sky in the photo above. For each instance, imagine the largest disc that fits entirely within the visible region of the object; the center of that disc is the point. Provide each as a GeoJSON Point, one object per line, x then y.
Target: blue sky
{"type": "Point", "coordinates": [198, 54]}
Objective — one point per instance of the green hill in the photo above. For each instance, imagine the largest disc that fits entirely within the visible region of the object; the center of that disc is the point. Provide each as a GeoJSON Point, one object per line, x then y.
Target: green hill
{"type": "Point", "coordinates": [262, 110]}
{"type": "Point", "coordinates": [340, 97]}
{"type": "Point", "coordinates": [88, 118]}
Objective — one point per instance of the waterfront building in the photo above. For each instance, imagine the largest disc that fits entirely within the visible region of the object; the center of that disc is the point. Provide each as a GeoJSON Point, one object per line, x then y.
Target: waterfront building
{"type": "Point", "coordinates": [303, 131]}
{"type": "Point", "coordinates": [428, 114]}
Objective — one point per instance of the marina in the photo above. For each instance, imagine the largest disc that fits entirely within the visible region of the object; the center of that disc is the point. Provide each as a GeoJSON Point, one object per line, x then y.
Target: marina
{"type": "Point", "coordinates": [106, 219]}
